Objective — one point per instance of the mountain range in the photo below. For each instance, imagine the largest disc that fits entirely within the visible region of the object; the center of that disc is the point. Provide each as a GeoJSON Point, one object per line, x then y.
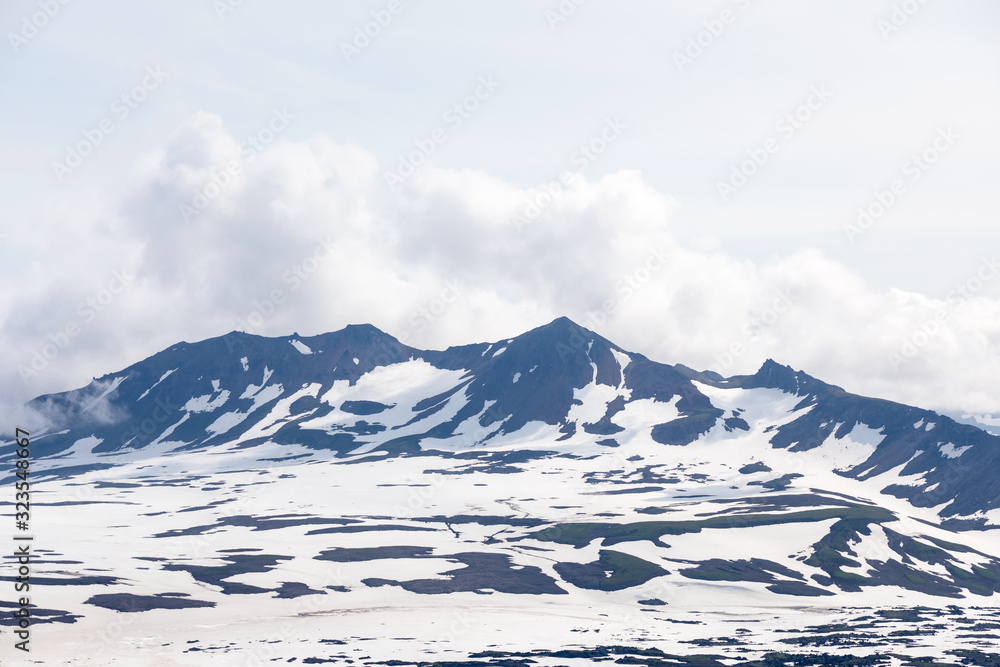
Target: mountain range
{"type": "Point", "coordinates": [348, 473]}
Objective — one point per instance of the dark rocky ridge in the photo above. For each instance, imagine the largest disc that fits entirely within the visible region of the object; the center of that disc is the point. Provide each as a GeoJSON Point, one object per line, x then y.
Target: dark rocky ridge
{"type": "Point", "coordinates": [551, 362]}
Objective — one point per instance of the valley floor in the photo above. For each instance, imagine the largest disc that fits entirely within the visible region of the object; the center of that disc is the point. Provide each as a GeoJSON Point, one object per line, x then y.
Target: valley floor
{"type": "Point", "coordinates": [267, 555]}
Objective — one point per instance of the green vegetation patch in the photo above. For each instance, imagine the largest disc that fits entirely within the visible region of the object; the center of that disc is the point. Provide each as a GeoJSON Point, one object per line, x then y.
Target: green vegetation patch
{"type": "Point", "coordinates": [582, 534]}
{"type": "Point", "coordinates": [613, 571]}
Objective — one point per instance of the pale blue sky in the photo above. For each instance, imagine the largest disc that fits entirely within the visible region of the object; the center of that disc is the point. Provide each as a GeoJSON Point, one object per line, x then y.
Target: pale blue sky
{"type": "Point", "coordinates": [687, 127]}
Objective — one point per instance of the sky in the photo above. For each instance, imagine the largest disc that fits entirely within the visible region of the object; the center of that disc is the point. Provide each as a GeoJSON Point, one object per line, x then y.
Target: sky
{"type": "Point", "coordinates": [706, 183]}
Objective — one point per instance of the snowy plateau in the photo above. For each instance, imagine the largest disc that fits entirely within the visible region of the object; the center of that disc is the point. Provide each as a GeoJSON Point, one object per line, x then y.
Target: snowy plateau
{"type": "Point", "coordinates": [550, 499]}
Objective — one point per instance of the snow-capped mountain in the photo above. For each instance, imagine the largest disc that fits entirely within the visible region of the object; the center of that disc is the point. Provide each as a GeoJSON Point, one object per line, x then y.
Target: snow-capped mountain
{"type": "Point", "coordinates": [347, 473]}
{"type": "Point", "coordinates": [360, 390]}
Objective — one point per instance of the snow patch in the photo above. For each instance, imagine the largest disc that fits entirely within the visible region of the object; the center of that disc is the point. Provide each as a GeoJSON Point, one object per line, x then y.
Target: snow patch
{"type": "Point", "coordinates": [166, 433]}
{"type": "Point", "coordinates": [401, 385]}
{"type": "Point", "coordinates": [647, 412]}
{"type": "Point", "coordinates": [952, 452]}
{"type": "Point", "coordinates": [162, 378]}
{"type": "Point", "coordinates": [301, 347]}
{"type": "Point", "coordinates": [225, 422]}
{"type": "Point", "coordinates": [853, 449]}
{"type": "Point", "coordinates": [246, 363]}
{"type": "Point", "coordinates": [82, 446]}
{"type": "Point", "coordinates": [252, 389]}
{"type": "Point", "coordinates": [874, 547]}
{"type": "Point", "coordinates": [266, 395]}
{"type": "Point", "coordinates": [623, 359]}
{"type": "Point", "coordinates": [760, 408]}
{"type": "Point", "coordinates": [593, 402]}
{"type": "Point", "coordinates": [206, 403]}
{"type": "Point", "coordinates": [279, 414]}
{"type": "Point", "coordinates": [517, 376]}
{"type": "Point", "coordinates": [114, 385]}
{"type": "Point", "coordinates": [500, 351]}
{"type": "Point", "coordinates": [260, 397]}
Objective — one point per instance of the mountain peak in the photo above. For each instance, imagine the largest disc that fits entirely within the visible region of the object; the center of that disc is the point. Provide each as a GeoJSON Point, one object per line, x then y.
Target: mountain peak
{"type": "Point", "coordinates": [364, 326]}
{"type": "Point", "coordinates": [562, 320]}
{"type": "Point", "coordinates": [773, 375]}
{"type": "Point", "coordinates": [363, 329]}
{"type": "Point", "coordinates": [565, 331]}
{"type": "Point", "coordinates": [562, 323]}
{"type": "Point", "coordinates": [366, 335]}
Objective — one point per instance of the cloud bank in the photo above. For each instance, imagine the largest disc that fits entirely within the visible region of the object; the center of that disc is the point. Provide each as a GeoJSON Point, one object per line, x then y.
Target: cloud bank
{"type": "Point", "coordinates": [211, 233]}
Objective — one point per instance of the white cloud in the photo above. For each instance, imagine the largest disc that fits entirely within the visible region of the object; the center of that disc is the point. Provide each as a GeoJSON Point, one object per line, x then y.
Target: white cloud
{"type": "Point", "coordinates": [441, 263]}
